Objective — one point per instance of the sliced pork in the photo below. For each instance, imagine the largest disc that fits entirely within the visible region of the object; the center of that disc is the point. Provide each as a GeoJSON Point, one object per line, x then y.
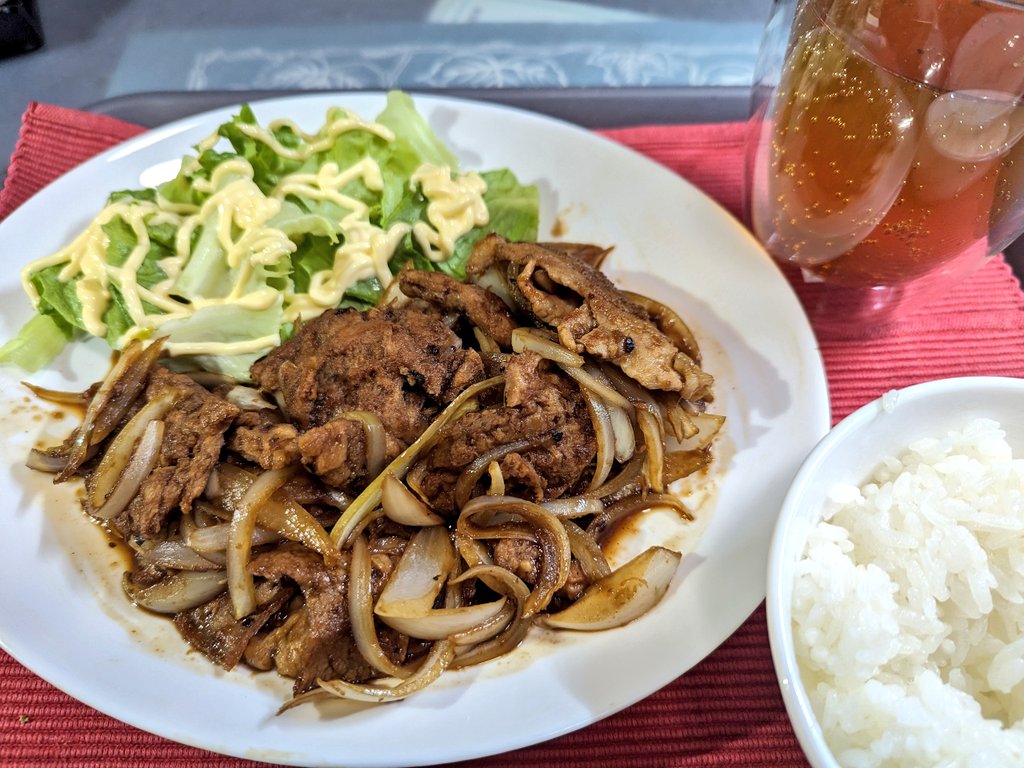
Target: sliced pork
{"type": "Point", "coordinates": [542, 413]}
{"type": "Point", "coordinates": [402, 365]}
{"type": "Point", "coordinates": [590, 314]}
{"type": "Point", "coordinates": [193, 438]}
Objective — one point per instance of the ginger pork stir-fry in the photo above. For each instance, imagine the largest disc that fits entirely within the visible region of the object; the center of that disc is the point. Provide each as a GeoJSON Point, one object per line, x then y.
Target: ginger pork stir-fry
{"type": "Point", "coordinates": [408, 489]}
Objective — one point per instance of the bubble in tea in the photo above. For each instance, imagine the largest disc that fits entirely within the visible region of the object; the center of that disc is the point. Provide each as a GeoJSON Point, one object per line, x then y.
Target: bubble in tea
{"type": "Point", "coordinates": [893, 139]}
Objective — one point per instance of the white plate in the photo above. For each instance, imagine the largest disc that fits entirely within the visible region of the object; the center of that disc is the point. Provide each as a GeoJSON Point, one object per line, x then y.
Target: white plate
{"type": "Point", "coordinates": [61, 610]}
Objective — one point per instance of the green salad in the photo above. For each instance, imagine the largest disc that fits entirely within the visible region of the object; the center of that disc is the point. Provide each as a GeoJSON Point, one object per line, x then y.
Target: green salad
{"type": "Point", "coordinates": [263, 227]}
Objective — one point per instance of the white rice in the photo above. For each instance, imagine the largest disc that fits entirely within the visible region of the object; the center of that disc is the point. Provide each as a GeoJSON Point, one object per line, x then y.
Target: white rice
{"type": "Point", "coordinates": [908, 608]}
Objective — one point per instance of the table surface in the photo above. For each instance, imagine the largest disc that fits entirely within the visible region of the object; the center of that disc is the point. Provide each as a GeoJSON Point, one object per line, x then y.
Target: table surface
{"type": "Point", "coordinates": [106, 49]}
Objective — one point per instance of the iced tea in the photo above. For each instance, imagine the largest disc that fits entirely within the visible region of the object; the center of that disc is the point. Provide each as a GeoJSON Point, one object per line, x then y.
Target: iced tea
{"type": "Point", "coordinates": [891, 145]}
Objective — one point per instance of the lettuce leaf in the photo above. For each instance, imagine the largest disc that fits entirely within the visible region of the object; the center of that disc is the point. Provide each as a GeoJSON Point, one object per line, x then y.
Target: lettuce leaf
{"type": "Point", "coordinates": [513, 213]}
{"type": "Point", "coordinates": [122, 241]}
{"type": "Point", "coordinates": [57, 297]}
{"type": "Point", "coordinates": [225, 323]}
{"type": "Point", "coordinates": [312, 222]}
{"type": "Point", "coordinates": [415, 144]}
{"type": "Point", "coordinates": [38, 342]}
{"type": "Point", "coordinates": [313, 255]}
{"type": "Point", "coordinates": [269, 166]}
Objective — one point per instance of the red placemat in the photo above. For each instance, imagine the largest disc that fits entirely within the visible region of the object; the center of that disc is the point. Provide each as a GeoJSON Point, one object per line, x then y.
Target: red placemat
{"type": "Point", "coordinates": [727, 711]}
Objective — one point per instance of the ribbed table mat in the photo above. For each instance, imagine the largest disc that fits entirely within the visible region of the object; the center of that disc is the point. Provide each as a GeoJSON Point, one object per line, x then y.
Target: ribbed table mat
{"type": "Point", "coordinates": [727, 711]}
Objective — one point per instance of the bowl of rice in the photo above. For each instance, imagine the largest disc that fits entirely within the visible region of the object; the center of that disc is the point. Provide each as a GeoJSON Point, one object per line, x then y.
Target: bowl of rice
{"type": "Point", "coordinates": [896, 582]}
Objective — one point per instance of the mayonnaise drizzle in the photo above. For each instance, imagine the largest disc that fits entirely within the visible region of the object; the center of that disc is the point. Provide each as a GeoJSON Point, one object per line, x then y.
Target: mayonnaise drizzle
{"type": "Point", "coordinates": [456, 206]}
{"type": "Point", "coordinates": [238, 215]}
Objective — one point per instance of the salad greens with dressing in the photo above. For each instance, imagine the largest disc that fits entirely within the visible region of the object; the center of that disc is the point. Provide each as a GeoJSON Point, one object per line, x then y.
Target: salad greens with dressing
{"type": "Point", "coordinates": [223, 259]}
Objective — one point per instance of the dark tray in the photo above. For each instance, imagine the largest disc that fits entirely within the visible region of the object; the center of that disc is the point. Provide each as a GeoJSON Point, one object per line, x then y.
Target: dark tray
{"type": "Point", "coordinates": [589, 107]}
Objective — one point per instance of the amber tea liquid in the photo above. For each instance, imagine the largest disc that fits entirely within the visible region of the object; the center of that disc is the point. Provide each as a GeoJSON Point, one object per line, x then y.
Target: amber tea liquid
{"type": "Point", "coordinates": [891, 146]}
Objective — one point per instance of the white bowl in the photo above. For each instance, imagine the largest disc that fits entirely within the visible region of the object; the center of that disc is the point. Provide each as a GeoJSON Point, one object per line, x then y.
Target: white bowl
{"type": "Point", "coordinates": [848, 454]}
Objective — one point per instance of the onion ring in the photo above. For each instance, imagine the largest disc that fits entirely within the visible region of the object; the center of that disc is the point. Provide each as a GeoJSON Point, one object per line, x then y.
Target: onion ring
{"type": "Point", "coordinates": [360, 611]}
{"type": "Point", "coordinates": [143, 460]}
{"type": "Point", "coordinates": [376, 440]}
{"type": "Point", "coordinates": [436, 662]}
{"type": "Point", "coordinates": [550, 535]}
{"type": "Point", "coordinates": [243, 523]}
{"type": "Point", "coordinates": [471, 474]}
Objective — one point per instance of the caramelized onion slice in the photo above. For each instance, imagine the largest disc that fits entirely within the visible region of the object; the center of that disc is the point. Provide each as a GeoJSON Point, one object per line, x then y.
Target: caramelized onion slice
{"type": "Point", "coordinates": [618, 416]}
{"type": "Point", "coordinates": [360, 611]}
{"type": "Point", "coordinates": [587, 552]}
{"type": "Point", "coordinates": [622, 431]}
{"type": "Point", "coordinates": [598, 387]}
{"type": "Point", "coordinates": [485, 631]}
{"type": "Point", "coordinates": [680, 464]}
{"type": "Point", "coordinates": [601, 420]}
{"type": "Point", "coordinates": [524, 339]}
{"type": "Point", "coordinates": [243, 524]}
{"type": "Point", "coordinates": [496, 478]}
{"type": "Point", "coordinates": [180, 592]}
{"type": "Point", "coordinates": [485, 343]}
{"type": "Point", "coordinates": [247, 398]}
{"type": "Point", "coordinates": [440, 623]}
{"type": "Point", "coordinates": [636, 396]}
{"type": "Point", "coordinates": [121, 449]}
{"type": "Point", "coordinates": [283, 516]}
{"type": "Point", "coordinates": [498, 579]}
{"type": "Point", "coordinates": [176, 555]}
{"type": "Point", "coordinates": [708, 426]}
{"type": "Point", "coordinates": [621, 596]}
{"type": "Point", "coordinates": [472, 551]}
{"type": "Point", "coordinates": [501, 581]}
{"type": "Point", "coordinates": [420, 574]}
{"type": "Point", "coordinates": [491, 641]}
{"type": "Point", "coordinates": [291, 520]}
{"type": "Point", "coordinates": [623, 484]}
{"type": "Point", "coordinates": [216, 538]}
{"type": "Point", "coordinates": [369, 498]}
{"type": "Point", "coordinates": [633, 505]}
{"type": "Point", "coordinates": [59, 396]}
{"type": "Point", "coordinates": [495, 281]}
{"type": "Point", "coordinates": [574, 506]}
{"type": "Point", "coordinates": [376, 440]}
{"type": "Point", "coordinates": [654, 440]}
{"type": "Point", "coordinates": [51, 460]}
{"type": "Point", "coordinates": [556, 553]}
{"type": "Point", "coordinates": [403, 507]}
{"type": "Point", "coordinates": [436, 662]}
{"type": "Point", "coordinates": [116, 393]}
{"type": "Point", "coordinates": [467, 480]}
{"type": "Point", "coordinates": [143, 460]}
